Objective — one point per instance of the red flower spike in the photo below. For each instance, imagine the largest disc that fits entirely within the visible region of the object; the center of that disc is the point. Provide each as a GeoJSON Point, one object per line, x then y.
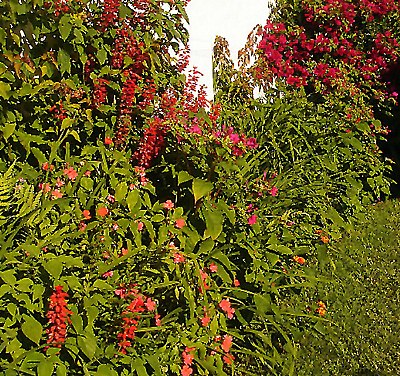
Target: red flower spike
{"type": "Point", "coordinates": [58, 317]}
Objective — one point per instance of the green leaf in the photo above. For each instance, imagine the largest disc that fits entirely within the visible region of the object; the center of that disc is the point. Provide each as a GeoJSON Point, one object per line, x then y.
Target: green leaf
{"type": "Point", "coordinates": [157, 218]}
{"type": "Point", "coordinates": [263, 303]}
{"type": "Point", "coordinates": [102, 56]}
{"type": "Point", "coordinates": [120, 191]}
{"type": "Point", "coordinates": [61, 370]}
{"type": "Point", "coordinates": [132, 199]}
{"type": "Point", "coordinates": [64, 61]}
{"type": "Point", "coordinates": [201, 188]}
{"type": "Point", "coordinates": [105, 370]}
{"type": "Point", "coordinates": [154, 363]}
{"type": "Point", "coordinates": [32, 329]}
{"type": "Point", "coordinates": [184, 176]}
{"type": "Point", "coordinates": [65, 27]}
{"type": "Point", "coordinates": [39, 155]}
{"type": "Point", "coordinates": [77, 323]}
{"type": "Point", "coordinates": [8, 276]}
{"type": "Point", "coordinates": [45, 368]}
{"type": "Point", "coordinates": [87, 183]}
{"type": "Point", "coordinates": [88, 345]}
{"type": "Point", "coordinates": [5, 90]}
{"type": "Point", "coordinates": [214, 220]}
{"type": "Point", "coordinates": [67, 123]}
{"type": "Point", "coordinates": [54, 267]}
{"type": "Point", "coordinates": [139, 367]}
{"type": "Point", "coordinates": [282, 249]}
{"type": "Point", "coordinates": [8, 130]}
{"type": "Point", "coordinates": [206, 246]}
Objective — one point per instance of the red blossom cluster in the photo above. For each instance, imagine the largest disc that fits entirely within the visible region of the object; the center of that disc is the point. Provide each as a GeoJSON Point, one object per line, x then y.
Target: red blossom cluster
{"type": "Point", "coordinates": [331, 38]}
{"type": "Point", "coordinates": [132, 314]}
{"type": "Point", "coordinates": [126, 46]}
{"type": "Point", "coordinates": [225, 305]}
{"type": "Point", "coordinates": [99, 92]}
{"type": "Point", "coordinates": [188, 357]}
{"type": "Point", "coordinates": [151, 143]}
{"type": "Point", "coordinates": [58, 111]}
{"type": "Point", "coordinates": [60, 6]}
{"type": "Point", "coordinates": [58, 317]}
{"type": "Point", "coordinates": [110, 14]}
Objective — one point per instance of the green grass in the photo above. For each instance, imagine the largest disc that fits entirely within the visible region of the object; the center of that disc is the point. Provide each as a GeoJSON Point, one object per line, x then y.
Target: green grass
{"type": "Point", "coordinates": [363, 302]}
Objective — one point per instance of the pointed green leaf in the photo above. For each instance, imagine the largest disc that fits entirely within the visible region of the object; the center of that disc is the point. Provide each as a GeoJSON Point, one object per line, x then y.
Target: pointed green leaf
{"type": "Point", "coordinates": [65, 27]}
{"type": "Point", "coordinates": [139, 367]}
{"type": "Point", "coordinates": [8, 130]}
{"type": "Point", "coordinates": [88, 345]}
{"type": "Point", "coordinates": [54, 267]}
{"type": "Point", "coordinates": [120, 191]}
{"type": "Point", "coordinates": [32, 329]}
{"type": "Point", "coordinates": [45, 368]}
{"type": "Point", "coordinates": [63, 60]}
{"type": "Point", "coordinates": [214, 220]}
{"type": "Point", "coordinates": [201, 188]}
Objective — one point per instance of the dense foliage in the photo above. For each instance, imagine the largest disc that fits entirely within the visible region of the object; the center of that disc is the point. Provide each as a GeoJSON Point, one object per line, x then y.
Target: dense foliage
{"type": "Point", "coordinates": [144, 230]}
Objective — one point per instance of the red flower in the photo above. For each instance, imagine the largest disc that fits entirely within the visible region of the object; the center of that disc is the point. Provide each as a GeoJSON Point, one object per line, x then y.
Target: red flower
{"type": "Point", "coordinates": [299, 260]}
{"type": "Point", "coordinates": [108, 141]}
{"type": "Point", "coordinates": [86, 214]}
{"type": "Point", "coordinates": [325, 239]}
{"type": "Point", "coordinates": [56, 194]}
{"type": "Point", "coordinates": [226, 343]}
{"type": "Point", "coordinates": [236, 282]}
{"type": "Point", "coordinates": [178, 258]}
{"type": "Point", "coordinates": [82, 226]}
{"type": "Point", "coordinates": [150, 305]}
{"type": "Point", "coordinates": [110, 273]}
{"type": "Point", "coordinates": [102, 211]}
{"type": "Point", "coordinates": [213, 268]}
{"type": "Point", "coordinates": [187, 358]}
{"type": "Point", "coordinates": [186, 370]}
{"type": "Point", "coordinates": [71, 173]}
{"type": "Point", "coordinates": [180, 223]}
{"type": "Point", "coordinates": [58, 318]}
{"type": "Point", "coordinates": [168, 205]}
{"type": "Point", "coordinates": [274, 191]}
{"type": "Point", "coordinates": [225, 305]}
{"type": "Point", "coordinates": [47, 167]}
{"type": "Point", "coordinates": [252, 220]}
{"type": "Point", "coordinates": [228, 358]}
{"type": "Point", "coordinates": [205, 320]}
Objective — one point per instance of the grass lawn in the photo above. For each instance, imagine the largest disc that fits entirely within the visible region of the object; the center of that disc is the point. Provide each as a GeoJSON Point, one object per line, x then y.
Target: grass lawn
{"type": "Point", "coordinates": [363, 302]}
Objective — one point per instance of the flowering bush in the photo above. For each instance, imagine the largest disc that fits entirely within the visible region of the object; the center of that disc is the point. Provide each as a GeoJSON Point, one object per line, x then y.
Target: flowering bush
{"type": "Point", "coordinates": [136, 226]}
{"type": "Point", "coordinates": [142, 229]}
{"type": "Point", "coordinates": [343, 46]}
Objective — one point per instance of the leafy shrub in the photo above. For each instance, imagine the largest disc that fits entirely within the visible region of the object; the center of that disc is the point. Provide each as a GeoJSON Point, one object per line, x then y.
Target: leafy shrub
{"type": "Point", "coordinates": [144, 230]}
{"type": "Point", "coordinates": [135, 234]}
